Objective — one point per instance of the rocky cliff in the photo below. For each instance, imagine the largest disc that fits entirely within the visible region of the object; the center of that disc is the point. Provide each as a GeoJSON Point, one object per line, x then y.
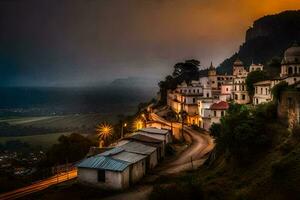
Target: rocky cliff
{"type": "Point", "coordinates": [267, 38]}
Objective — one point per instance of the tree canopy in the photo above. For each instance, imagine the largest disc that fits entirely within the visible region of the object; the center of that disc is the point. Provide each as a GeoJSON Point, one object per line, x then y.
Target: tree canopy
{"type": "Point", "coordinates": [243, 131]}
{"type": "Point", "coordinates": [183, 71]}
{"type": "Point", "coordinates": [69, 149]}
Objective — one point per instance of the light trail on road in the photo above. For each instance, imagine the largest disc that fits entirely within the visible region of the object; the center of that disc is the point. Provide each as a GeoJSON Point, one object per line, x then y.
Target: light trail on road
{"type": "Point", "coordinates": [40, 185]}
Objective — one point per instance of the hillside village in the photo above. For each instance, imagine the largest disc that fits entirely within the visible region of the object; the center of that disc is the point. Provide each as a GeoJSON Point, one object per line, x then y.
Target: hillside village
{"type": "Point", "coordinates": [205, 101]}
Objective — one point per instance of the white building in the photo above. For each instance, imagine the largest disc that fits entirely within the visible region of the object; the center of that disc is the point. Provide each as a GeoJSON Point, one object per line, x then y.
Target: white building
{"type": "Point", "coordinates": [226, 91]}
{"type": "Point", "coordinates": [290, 64]}
{"type": "Point", "coordinates": [139, 148]}
{"type": "Point", "coordinates": [290, 73]}
{"type": "Point", "coordinates": [204, 112]}
{"type": "Point", "coordinates": [185, 96]}
{"type": "Point", "coordinates": [256, 67]}
{"type": "Point", "coordinates": [158, 134]}
{"type": "Point", "coordinates": [217, 111]}
{"type": "Point", "coordinates": [105, 172]}
{"type": "Point", "coordinates": [240, 93]}
{"type": "Point", "coordinates": [150, 141]}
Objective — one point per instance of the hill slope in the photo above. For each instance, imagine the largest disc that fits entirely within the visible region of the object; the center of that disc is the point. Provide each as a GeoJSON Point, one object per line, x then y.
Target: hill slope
{"type": "Point", "coordinates": [269, 37]}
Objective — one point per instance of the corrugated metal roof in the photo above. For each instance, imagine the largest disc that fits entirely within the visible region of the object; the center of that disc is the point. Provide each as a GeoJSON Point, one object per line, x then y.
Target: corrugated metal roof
{"type": "Point", "coordinates": [138, 148]}
{"type": "Point", "coordinates": [103, 162]}
{"type": "Point", "coordinates": [160, 137]}
{"type": "Point", "coordinates": [155, 130]}
{"type": "Point", "coordinates": [129, 157]}
{"type": "Point", "coordinates": [111, 152]}
{"type": "Point", "coordinates": [138, 136]}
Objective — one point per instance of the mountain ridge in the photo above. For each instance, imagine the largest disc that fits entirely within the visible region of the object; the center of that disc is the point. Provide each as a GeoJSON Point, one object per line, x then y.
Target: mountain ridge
{"type": "Point", "coordinates": [269, 37]}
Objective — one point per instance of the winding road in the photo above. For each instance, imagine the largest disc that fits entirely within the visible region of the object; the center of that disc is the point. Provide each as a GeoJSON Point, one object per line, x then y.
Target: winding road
{"type": "Point", "coordinates": [201, 144]}
{"type": "Point", "coordinates": [192, 157]}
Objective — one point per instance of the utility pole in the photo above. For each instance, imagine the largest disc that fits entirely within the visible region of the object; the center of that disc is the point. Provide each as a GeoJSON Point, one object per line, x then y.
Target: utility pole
{"type": "Point", "coordinates": [67, 169]}
{"type": "Point", "coordinates": [57, 173]}
{"type": "Point", "coordinates": [181, 116]}
{"type": "Point", "coordinates": [122, 129]}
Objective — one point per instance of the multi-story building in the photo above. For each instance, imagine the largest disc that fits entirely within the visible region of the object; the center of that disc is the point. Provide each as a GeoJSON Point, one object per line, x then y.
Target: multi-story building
{"type": "Point", "coordinates": [290, 73]}
{"type": "Point", "coordinates": [217, 111]}
{"type": "Point", "coordinates": [226, 91]}
{"type": "Point", "coordinates": [290, 64]}
{"type": "Point", "coordinates": [204, 111]}
{"type": "Point", "coordinates": [185, 96]}
{"type": "Point", "coordinates": [240, 93]}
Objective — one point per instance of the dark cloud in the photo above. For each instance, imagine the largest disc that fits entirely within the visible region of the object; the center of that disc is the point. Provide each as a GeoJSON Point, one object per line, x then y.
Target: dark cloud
{"type": "Point", "coordinates": [76, 42]}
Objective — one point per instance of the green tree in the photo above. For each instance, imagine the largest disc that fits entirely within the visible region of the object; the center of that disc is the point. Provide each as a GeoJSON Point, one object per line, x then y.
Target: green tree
{"type": "Point", "coordinates": [69, 149]}
{"type": "Point", "coordinates": [187, 71]}
{"type": "Point", "coordinates": [254, 77]}
{"type": "Point", "coordinates": [183, 71]}
{"type": "Point", "coordinates": [243, 131]}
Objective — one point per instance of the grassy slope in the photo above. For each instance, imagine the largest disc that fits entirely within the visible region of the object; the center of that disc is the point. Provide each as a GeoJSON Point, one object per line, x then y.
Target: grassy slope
{"type": "Point", "coordinates": [45, 140]}
{"type": "Point", "coordinates": [275, 175]}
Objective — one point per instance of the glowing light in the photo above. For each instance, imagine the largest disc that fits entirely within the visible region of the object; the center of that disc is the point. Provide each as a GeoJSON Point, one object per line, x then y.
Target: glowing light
{"type": "Point", "coordinates": [125, 124]}
{"type": "Point", "coordinates": [139, 124]}
{"type": "Point", "coordinates": [104, 131]}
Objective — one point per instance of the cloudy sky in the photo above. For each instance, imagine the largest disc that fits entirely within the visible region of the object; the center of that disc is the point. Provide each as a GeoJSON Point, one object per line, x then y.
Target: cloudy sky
{"type": "Point", "coordinates": [80, 42]}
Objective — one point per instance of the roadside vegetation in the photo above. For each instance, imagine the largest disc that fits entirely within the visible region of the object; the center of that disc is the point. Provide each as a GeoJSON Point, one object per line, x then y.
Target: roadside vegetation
{"type": "Point", "coordinates": [256, 157]}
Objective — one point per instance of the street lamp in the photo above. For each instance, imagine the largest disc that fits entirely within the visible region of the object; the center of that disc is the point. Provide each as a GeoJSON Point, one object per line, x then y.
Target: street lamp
{"type": "Point", "coordinates": [104, 131]}
{"type": "Point", "coordinates": [122, 129]}
{"type": "Point", "coordinates": [139, 124]}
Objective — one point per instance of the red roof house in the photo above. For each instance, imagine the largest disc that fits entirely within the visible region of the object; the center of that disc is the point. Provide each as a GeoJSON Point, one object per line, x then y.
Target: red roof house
{"type": "Point", "coordinates": [222, 105]}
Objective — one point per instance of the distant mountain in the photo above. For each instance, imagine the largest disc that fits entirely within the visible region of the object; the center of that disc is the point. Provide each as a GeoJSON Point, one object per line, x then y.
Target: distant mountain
{"type": "Point", "coordinates": [139, 82]}
{"type": "Point", "coordinates": [269, 37]}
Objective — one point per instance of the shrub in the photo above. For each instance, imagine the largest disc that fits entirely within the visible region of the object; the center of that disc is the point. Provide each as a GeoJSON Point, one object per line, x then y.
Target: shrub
{"type": "Point", "coordinates": [243, 132]}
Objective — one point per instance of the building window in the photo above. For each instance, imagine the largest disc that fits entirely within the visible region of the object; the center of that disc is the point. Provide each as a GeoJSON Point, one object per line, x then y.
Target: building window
{"type": "Point", "coordinates": [243, 96]}
{"type": "Point", "coordinates": [215, 113]}
{"type": "Point", "coordinates": [256, 101]}
{"type": "Point", "coordinates": [266, 90]}
{"type": "Point", "coordinates": [243, 87]}
{"type": "Point", "coordinates": [194, 100]}
{"type": "Point", "coordinates": [261, 91]}
{"type": "Point", "coordinates": [222, 113]}
{"type": "Point", "coordinates": [236, 97]}
{"type": "Point", "coordinates": [101, 175]}
{"type": "Point", "coordinates": [194, 90]}
{"type": "Point", "coordinates": [197, 90]}
{"type": "Point", "coordinates": [290, 70]}
{"type": "Point", "coordinates": [226, 89]}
